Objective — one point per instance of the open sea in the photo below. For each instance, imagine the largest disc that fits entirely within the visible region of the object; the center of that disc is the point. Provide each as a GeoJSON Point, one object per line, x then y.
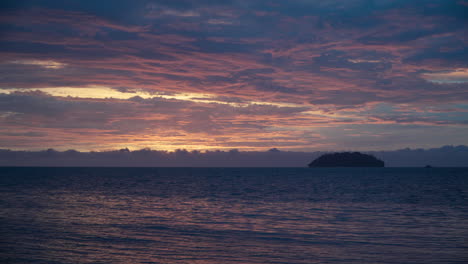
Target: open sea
{"type": "Point", "coordinates": [233, 215]}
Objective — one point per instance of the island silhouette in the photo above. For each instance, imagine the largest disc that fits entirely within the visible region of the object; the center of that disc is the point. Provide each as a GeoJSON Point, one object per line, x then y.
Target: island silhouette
{"type": "Point", "coordinates": [346, 159]}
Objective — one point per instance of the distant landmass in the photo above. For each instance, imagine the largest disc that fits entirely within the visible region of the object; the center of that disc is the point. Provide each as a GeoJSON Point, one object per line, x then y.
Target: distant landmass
{"type": "Point", "coordinates": [347, 159]}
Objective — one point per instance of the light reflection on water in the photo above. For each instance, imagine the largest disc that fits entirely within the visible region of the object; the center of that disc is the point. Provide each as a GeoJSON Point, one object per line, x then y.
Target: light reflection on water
{"type": "Point", "coordinates": [234, 216]}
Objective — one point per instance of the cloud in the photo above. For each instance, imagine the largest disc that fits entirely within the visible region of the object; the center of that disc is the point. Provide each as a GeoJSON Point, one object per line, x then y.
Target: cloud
{"type": "Point", "coordinates": [154, 10]}
{"type": "Point", "coordinates": [248, 70]}
{"type": "Point", "coordinates": [195, 124]}
{"type": "Point", "coordinates": [24, 134]}
{"type": "Point", "coordinates": [363, 61]}
{"type": "Point", "coordinates": [48, 64]}
{"type": "Point", "coordinates": [447, 156]}
{"type": "Point", "coordinates": [216, 21]}
{"type": "Point", "coordinates": [451, 76]}
{"type": "Point", "coordinates": [136, 117]}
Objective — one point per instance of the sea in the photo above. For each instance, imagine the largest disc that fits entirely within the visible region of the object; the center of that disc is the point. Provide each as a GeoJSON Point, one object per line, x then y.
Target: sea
{"type": "Point", "coordinates": [233, 215]}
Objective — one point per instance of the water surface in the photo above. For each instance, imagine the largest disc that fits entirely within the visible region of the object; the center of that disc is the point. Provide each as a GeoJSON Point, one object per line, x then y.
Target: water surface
{"type": "Point", "coordinates": [232, 215]}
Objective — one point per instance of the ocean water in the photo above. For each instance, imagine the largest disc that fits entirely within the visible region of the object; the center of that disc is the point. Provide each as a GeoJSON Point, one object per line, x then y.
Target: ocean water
{"type": "Point", "coordinates": [232, 215]}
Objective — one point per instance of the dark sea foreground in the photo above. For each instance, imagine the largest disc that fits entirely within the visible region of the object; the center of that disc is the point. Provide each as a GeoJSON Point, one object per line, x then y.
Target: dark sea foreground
{"type": "Point", "coordinates": [227, 215]}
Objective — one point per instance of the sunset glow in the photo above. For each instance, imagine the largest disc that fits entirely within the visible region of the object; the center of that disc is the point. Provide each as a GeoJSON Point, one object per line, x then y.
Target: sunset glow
{"type": "Point", "coordinates": [255, 75]}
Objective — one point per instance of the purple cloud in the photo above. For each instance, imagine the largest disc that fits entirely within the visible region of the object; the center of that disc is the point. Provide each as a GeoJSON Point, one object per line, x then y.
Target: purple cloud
{"type": "Point", "coordinates": [254, 70]}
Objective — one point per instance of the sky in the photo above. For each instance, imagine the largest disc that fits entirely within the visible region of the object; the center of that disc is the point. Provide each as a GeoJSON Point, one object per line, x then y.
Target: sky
{"type": "Point", "coordinates": [297, 75]}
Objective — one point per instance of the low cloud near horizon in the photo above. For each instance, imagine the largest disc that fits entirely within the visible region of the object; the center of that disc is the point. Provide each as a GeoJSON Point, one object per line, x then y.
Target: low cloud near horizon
{"type": "Point", "coordinates": [446, 156]}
